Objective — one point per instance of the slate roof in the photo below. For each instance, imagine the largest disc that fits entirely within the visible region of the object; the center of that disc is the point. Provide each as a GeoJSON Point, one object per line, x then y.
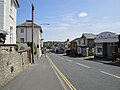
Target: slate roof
{"type": "Point", "coordinates": [17, 3]}
{"type": "Point", "coordinates": [75, 39]}
{"type": "Point", "coordinates": [28, 23]}
{"type": "Point", "coordinates": [88, 35]}
{"type": "Point", "coordinates": [23, 47]}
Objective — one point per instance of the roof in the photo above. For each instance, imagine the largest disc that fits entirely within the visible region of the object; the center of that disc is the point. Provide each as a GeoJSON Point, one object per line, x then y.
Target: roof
{"type": "Point", "coordinates": [17, 3]}
{"type": "Point", "coordinates": [88, 35]}
{"type": "Point", "coordinates": [23, 47]}
{"type": "Point", "coordinates": [28, 23]}
{"type": "Point", "coordinates": [75, 39]}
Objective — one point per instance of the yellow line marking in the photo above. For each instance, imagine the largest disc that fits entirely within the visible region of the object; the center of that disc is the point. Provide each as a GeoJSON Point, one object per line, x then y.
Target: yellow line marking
{"type": "Point", "coordinates": [62, 75]}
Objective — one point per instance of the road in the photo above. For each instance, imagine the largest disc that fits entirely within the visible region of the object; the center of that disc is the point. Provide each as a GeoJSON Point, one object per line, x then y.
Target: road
{"type": "Point", "coordinates": [86, 74]}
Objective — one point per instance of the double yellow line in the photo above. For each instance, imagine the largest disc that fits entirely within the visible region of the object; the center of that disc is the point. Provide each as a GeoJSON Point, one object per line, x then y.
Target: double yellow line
{"type": "Point", "coordinates": [62, 75]}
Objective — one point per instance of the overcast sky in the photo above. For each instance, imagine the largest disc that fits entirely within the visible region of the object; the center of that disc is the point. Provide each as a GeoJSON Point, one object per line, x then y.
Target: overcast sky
{"type": "Point", "coordinates": [71, 18]}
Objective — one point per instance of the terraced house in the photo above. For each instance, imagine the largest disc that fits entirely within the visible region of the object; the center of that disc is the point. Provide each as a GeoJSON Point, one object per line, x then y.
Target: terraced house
{"type": "Point", "coordinates": [8, 9]}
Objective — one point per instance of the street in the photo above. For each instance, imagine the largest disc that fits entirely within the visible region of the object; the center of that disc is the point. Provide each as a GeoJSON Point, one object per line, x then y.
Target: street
{"type": "Point", "coordinates": [88, 75]}
{"type": "Point", "coordinates": [60, 72]}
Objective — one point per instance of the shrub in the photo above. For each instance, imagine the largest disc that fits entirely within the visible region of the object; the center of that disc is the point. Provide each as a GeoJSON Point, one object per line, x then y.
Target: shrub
{"type": "Point", "coordinates": [35, 49]}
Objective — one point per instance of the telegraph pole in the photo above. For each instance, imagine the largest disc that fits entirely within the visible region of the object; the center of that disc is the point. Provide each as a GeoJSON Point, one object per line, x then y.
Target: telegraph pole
{"type": "Point", "coordinates": [32, 33]}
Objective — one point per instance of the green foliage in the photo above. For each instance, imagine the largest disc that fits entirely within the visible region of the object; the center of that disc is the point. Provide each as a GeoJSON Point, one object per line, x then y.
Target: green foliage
{"type": "Point", "coordinates": [29, 44]}
{"type": "Point", "coordinates": [49, 44]}
{"type": "Point", "coordinates": [35, 47]}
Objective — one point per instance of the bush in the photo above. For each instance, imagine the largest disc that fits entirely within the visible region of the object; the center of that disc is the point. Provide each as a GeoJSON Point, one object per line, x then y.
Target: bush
{"type": "Point", "coordinates": [35, 49]}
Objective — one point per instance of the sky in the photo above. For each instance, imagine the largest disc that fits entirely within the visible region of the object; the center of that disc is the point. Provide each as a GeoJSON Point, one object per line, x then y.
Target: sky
{"type": "Point", "coordinates": [68, 19]}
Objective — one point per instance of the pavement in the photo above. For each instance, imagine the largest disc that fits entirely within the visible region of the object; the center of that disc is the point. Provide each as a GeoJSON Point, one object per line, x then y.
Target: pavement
{"type": "Point", "coordinates": [40, 76]}
{"type": "Point", "coordinates": [104, 61]}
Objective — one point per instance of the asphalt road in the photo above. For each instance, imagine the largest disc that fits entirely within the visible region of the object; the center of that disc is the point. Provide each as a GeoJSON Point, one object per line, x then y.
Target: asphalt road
{"type": "Point", "coordinates": [88, 75]}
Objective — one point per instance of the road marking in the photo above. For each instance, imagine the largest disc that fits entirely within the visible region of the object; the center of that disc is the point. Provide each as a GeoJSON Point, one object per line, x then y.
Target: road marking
{"type": "Point", "coordinates": [68, 60]}
{"type": "Point", "coordinates": [82, 65]}
{"type": "Point", "coordinates": [60, 79]}
{"type": "Point", "coordinates": [110, 74]}
{"type": "Point", "coordinates": [62, 75]}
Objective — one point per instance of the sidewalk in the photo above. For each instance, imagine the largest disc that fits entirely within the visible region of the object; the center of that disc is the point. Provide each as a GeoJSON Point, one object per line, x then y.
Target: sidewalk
{"type": "Point", "coordinates": [104, 61]}
{"type": "Point", "coordinates": [39, 76]}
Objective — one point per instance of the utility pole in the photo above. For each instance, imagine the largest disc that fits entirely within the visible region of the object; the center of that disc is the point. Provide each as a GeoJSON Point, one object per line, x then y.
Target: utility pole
{"type": "Point", "coordinates": [32, 34]}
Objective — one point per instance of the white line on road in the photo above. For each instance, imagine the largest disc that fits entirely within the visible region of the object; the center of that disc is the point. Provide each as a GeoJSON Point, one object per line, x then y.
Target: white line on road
{"type": "Point", "coordinates": [68, 60]}
{"type": "Point", "coordinates": [82, 65]}
{"type": "Point", "coordinates": [110, 74]}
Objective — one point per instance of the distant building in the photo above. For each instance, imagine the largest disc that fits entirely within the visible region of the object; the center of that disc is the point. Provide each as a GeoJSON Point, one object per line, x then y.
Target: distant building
{"type": "Point", "coordinates": [8, 9]}
{"type": "Point", "coordinates": [24, 34]}
{"type": "Point", "coordinates": [67, 47]}
{"type": "Point", "coordinates": [74, 44]}
{"type": "Point", "coordinates": [86, 44]}
{"type": "Point", "coordinates": [106, 43]}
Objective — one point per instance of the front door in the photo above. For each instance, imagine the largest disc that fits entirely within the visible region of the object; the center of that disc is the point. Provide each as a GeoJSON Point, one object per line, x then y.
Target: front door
{"type": "Point", "coordinates": [104, 49]}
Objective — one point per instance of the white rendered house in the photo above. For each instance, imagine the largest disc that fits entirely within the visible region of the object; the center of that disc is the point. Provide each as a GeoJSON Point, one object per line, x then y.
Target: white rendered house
{"type": "Point", "coordinates": [8, 9]}
{"type": "Point", "coordinates": [24, 34]}
{"type": "Point", "coordinates": [105, 44]}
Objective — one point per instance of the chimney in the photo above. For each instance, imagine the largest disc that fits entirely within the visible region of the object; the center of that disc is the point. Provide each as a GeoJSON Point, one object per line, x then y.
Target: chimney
{"type": "Point", "coordinates": [28, 20]}
{"type": "Point", "coordinates": [67, 39]}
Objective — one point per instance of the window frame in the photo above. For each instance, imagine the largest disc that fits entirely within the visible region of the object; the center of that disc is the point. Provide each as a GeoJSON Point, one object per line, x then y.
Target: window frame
{"type": "Point", "coordinates": [21, 40]}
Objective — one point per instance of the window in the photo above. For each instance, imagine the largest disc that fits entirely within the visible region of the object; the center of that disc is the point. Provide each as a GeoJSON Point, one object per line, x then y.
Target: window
{"type": "Point", "coordinates": [21, 39]}
{"type": "Point", "coordinates": [11, 6]}
{"type": "Point", "coordinates": [22, 30]}
{"type": "Point", "coordinates": [84, 41]}
{"type": "Point", "coordinates": [11, 34]}
{"type": "Point", "coordinates": [99, 50]}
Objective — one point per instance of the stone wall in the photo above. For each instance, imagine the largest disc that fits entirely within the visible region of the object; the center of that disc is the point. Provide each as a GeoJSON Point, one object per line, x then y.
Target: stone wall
{"type": "Point", "coordinates": [11, 62]}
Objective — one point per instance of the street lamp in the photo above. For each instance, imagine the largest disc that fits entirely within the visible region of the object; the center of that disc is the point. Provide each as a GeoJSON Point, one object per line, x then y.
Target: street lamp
{"type": "Point", "coordinates": [45, 24]}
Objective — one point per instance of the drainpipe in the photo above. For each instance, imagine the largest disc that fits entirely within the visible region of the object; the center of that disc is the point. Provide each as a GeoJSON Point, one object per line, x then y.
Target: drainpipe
{"type": "Point", "coordinates": [26, 33]}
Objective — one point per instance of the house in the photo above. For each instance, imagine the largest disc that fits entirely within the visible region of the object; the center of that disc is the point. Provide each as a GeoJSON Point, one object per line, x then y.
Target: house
{"type": "Point", "coordinates": [74, 47]}
{"type": "Point", "coordinates": [106, 43]}
{"type": "Point", "coordinates": [86, 44]}
{"type": "Point", "coordinates": [8, 9]}
{"type": "Point", "coordinates": [67, 47]}
{"type": "Point", "coordinates": [24, 34]}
